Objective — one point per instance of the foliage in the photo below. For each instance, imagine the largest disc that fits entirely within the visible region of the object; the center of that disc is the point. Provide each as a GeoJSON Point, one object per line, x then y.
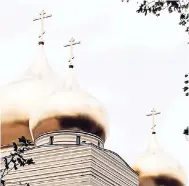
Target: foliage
{"type": "Point", "coordinates": [181, 7]}
{"type": "Point", "coordinates": [16, 159]}
{"type": "Point", "coordinates": [157, 6]}
{"type": "Point", "coordinates": [186, 88]}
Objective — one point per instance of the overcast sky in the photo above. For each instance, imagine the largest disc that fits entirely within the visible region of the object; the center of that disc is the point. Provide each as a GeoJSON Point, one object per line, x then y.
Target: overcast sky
{"type": "Point", "coordinates": [130, 62]}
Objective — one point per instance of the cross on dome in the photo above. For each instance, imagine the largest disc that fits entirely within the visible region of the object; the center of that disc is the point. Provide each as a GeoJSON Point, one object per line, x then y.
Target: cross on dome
{"type": "Point", "coordinates": [72, 42]}
{"type": "Point", "coordinates": [41, 17]}
{"type": "Point", "coordinates": [153, 113]}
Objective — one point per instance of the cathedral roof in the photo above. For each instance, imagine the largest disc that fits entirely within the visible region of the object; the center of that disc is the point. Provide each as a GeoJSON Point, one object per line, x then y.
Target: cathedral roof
{"type": "Point", "coordinates": [19, 97]}
{"type": "Point", "coordinates": [155, 162]}
{"type": "Point", "coordinates": [70, 101]}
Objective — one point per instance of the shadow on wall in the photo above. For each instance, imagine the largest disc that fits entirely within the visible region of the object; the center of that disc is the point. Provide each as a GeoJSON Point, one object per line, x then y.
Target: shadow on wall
{"type": "Point", "coordinates": [77, 123]}
{"type": "Point", "coordinates": [160, 180]}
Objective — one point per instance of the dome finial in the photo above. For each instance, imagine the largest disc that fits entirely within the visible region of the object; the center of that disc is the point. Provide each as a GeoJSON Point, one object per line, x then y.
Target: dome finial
{"type": "Point", "coordinates": [153, 113]}
{"type": "Point", "coordinates": [41, 17]}
{"type": "Point", "coordinates": [71, 43]}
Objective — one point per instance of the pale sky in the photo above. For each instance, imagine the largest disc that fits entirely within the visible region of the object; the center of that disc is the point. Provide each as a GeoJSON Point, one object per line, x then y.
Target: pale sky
{"type": "Point", "coordinates": [130, 62]}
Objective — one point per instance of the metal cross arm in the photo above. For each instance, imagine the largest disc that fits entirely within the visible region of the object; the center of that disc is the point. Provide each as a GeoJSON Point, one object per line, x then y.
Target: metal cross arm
{"type": "Point", "coordinates": [36, 19]}
{"type": "Point", "coordinates": [72, 44]}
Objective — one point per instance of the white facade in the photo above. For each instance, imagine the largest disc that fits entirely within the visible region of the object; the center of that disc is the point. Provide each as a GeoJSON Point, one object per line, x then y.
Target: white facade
{"type": "Point", "coordinates": [73, 158]}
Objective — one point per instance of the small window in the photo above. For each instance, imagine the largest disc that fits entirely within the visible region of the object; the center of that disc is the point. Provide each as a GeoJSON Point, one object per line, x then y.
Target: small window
{"type": "Point", "coordinates": [78, 140]}
{"type": "Point", "coordinates": [99, 143]}
{"type": "Point", "coordinates": [83, 142]}
{"type": "Point", "coordinates": [51, 140]}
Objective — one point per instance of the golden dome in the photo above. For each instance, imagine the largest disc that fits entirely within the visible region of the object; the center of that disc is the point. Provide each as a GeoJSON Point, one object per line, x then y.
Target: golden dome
{"type": "Point", "coordinates": [20, 97]}
{"type": "Point", "coordinates": [156, 164]}
{"type": "Point", "coordinates": [69, 108]}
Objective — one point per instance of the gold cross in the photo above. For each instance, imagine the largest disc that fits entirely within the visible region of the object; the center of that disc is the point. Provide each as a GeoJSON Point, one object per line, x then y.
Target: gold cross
{"type": "Point", "coordinates": [41, 17]}
{"type": "Point", "coordinates": [71, 44]}
{"type": "Point", "coordinates": [153, 113]}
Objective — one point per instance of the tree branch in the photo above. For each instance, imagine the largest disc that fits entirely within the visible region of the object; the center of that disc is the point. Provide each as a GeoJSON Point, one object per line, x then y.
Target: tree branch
{"type": "Point", "coordinates": [16, 159]}
{"type": "Point", "coordinates": [157, 6]}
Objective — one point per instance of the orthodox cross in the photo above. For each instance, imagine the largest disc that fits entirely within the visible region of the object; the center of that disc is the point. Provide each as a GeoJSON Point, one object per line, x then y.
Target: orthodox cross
{"type": "Point", "coordinates": [153, 113]}
{"type": "Point", "coordinates": [72, 42]}
{"type": "Point", "coordinates": [41, 17]}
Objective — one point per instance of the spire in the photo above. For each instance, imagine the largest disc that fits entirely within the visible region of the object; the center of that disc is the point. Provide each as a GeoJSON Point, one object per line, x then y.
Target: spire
{"type": "Point", "coordinates": [41, 17]}
{"type": "Point", "coordinates": [70, 81]}
{"type": "Point", "coordinates": [153, 113]}
{"type": "Point", "coordinates": [39, 66]}
{"type": "Point", "coordinates": [153, 142]}
{"type": "Point", "coordinates": [72, 42]}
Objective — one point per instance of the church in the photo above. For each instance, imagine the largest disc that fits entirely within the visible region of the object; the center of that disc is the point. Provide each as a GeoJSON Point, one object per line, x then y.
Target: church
{"type": "Point", "coordinates": [69, 127]}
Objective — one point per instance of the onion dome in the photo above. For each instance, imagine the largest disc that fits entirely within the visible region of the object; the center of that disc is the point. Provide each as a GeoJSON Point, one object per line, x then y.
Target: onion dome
{"type": "Point", "coordinates": [158, 166]}
{"type": "Point", "coordinates": [70, 108]}
{"type": "Point", "coordinates": [20, 97]}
